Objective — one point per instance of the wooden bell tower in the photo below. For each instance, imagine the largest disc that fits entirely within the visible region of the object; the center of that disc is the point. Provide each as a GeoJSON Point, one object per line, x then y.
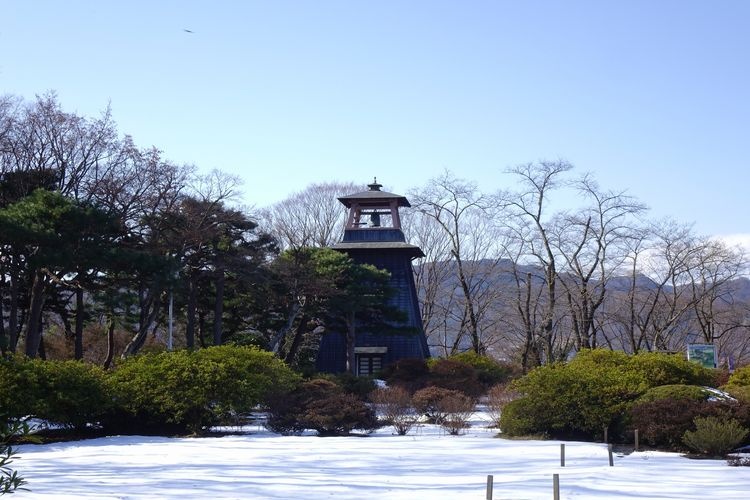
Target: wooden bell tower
{"type": "Point", "coordinates": [373, 235]}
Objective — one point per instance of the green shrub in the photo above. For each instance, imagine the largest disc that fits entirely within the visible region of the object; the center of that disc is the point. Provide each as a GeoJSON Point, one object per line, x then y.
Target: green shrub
{"type": "Point", "coordinates": [489, 371]}
{"type": "Point", "coordinates": [19, 388]}
{"type": "Point", "coordinates": [740, 392]}
{"type": "Point", "coordinates": [352, 384]}
{"type": "Point", "coordinates": [714, 436]}
{"type": "Point", "coordinates": [321, 405]}
{"type": "Point", "coordinates": [191, 391]}
{"type": "Point", "coordinates": [575, 400]}
{"type": "Point", "coordinates": [71, 393]}
{"type": "Point", "coordinates": [663, 414]}
{"type": "Point", "coordinates": [593, 391]}
{"type": "Point", "coordinates": [516, 420]}
{"type": "Point", "coordinates": [741, 377]}
{"type": "Point", "coordinates": [665, 369]}
{"type": "Point", "coordinates": [66, 393]}
{"type": "Point", "coordinates": [676, 391]}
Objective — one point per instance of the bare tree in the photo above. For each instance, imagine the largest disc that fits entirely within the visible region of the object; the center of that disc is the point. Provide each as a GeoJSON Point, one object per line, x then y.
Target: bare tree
{"type": "Point", "coordinates": [312, 217]}
{"type": "Point", "coordinates": [718, 313]}
{"type": "Point", "coordinates": [432, 275]}
{"type": "Point", "coordinates": [528, 210]}
{"type": "Point", "coordinates": [467, 220]}
{"type": "Point", "coordinates": [659, 297]}
{"type": "Point", "coordinates": [590, 243]}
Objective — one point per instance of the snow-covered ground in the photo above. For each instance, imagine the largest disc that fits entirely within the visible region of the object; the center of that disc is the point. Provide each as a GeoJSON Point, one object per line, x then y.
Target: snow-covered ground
{"type": "Point", "coordinates": [426, 464]}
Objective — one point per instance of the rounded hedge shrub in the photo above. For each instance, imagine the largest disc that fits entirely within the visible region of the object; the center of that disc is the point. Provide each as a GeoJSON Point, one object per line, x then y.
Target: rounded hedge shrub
{"type": "Point", "coordinates": [740, 377]}
{"type": "Point", "coordinates": [676, 391]}
{"type": "Point", "coordinates": [573, 400]}
{"type": "Point", "coordinates": [489, 371]}
{"type": "Point", "coordinates": [409, 373]}
{"type": "Point", "coordinates": [738, 384]}
{"type": "Point", "coordinates": [191, 391]}
{"type": "Point", "coordinates": [433, 402]}
{"type": "Point", "coordinates": [739, 392]}
{"type": "Point", "coordinates": [66, 393]}
{"type": "Point", "coordinates": [320, 405]}
{"type": "Point", "coordinates": [339, 415]}
{"type": "Point", "coordinates": [665, 369]}
{"type": "Point", "coordinates": [18, 389]}
{"type": "Point", "coordinates": [661, 423]}
{"type": "Point", "coordinates": [593, 391]}
{"type": "Point", "coordinates": [353, 384]}
{"type": "Point", "coordinates": [70, 393]}
{"type": "Point", "coordinates": [715, 436]}
{"type": "Point", "coordinates": [456, 376]}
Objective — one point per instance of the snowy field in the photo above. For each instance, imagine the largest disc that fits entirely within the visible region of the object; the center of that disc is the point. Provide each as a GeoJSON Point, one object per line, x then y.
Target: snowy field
{"type": "Point", "coordinates": [426, 464]}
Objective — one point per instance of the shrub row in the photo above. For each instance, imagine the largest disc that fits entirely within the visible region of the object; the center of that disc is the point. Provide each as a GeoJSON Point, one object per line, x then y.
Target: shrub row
{"type": "Point", "coordinates": [592, 392]}
{"type": "Point", "coordinates": [320, 405]}
{"type": "Point", "coordinates": [446, 407]}
{"type": "Point", "coordinates": [662, 423]}
{"type": "Point", "coordinates": [468, 373]}
{"type": "Point", "coordinates": [172, 392]}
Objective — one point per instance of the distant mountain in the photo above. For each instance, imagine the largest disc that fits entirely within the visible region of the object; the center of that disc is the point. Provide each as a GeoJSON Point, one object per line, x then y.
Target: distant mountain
{"type": "Point", "coordinates": [502, 276]}
{"type": "Point", "coordinates": [623, 283]}
{"type": "Point", "coordinates": [741, 289]}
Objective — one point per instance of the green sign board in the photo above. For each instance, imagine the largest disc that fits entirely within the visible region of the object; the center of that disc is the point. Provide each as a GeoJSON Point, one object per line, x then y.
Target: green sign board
{"type": "Point", "coordinates": [703, 354]}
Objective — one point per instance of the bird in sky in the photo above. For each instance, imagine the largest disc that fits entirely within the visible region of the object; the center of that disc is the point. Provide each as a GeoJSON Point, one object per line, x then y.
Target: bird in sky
{"type": "Point", "coordinates": [186, 30]}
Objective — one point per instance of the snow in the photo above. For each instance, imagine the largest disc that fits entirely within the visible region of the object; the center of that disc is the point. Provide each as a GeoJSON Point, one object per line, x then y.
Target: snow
{"type": "Point", "coordinates": [425, 464]}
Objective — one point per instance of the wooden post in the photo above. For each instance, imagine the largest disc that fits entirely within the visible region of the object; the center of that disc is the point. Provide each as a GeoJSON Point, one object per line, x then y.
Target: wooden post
{"type": "Point", "coordinates": [556, 486]}
{"type": "Point", "coordinates": [636, 440]}
{"type": "Point", "coordinates": [490, 480]}
{"type": "Point", "coordinates": [609, 450]}
{"type": "Point", "coordinates": [562, 455]}
{"type": "Point", "coordinates": [606, 432]}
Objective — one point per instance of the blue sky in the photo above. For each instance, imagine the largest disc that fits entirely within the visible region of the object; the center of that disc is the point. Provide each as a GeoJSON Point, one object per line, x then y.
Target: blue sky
{"type": "Point", "coordinates": [652, 97]}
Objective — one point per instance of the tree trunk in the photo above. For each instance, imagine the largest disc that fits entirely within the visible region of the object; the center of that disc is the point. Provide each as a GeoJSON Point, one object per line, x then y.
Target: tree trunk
{"type": "Point", "coordinates": [42, 350]}
{"type": "Point", "coordinates": [110, 343]}
{"type": "Point", "coordinates": [149, 309]}
{"type": "Point", "coordinates": [80, 313]}
{"type": "Point", "coordinates": [34, 328]}
{"type": "Point", "coordinates": [476, 343]}
{"type": "Point", "coordinates": [350, 342]}
{"type": "Point", "coordinates": [296, 341]}
{"type": "Point", "coordinates": [275, 344]}
{"type": "Point", "coordinates": [190, 320]}
{"type": "Point", "coordinates": [219, 306]}
{"type": "Point", "coordinates": [202, 329]}
{"type": "Point", "coordinates": [13, 314]}
{"type": "Point", "coordinates": [3, 334]}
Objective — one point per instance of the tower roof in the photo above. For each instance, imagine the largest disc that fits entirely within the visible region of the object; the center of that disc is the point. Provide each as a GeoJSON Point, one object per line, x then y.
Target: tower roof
{"type": "Point", "coordinates": [374, 195]}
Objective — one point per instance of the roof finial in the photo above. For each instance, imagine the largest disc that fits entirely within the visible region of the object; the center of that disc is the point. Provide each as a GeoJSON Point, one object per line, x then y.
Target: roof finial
{"type": "Point", "coordinates": [374, 186]}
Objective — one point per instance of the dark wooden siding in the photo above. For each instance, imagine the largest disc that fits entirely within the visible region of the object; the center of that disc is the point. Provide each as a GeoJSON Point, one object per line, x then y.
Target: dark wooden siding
{"type": "Point", "coordinates": [332, 354]}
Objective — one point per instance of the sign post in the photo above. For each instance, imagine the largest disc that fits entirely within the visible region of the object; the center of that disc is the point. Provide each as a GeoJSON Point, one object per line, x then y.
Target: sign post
{"type": "Point", "coordinates": [703, 354]}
